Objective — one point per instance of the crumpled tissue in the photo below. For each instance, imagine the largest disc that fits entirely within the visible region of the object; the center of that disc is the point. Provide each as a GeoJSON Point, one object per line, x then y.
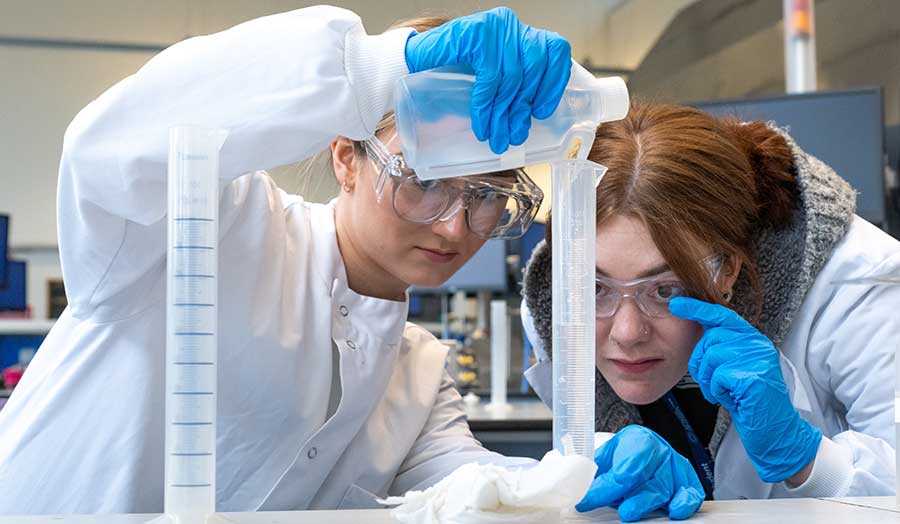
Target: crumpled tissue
{"type": "Point", "coordinates": [491, 494]}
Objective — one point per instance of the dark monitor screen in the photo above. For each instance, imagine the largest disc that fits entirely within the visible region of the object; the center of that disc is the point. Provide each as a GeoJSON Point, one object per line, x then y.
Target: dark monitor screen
{"type": "Point", "coordinates": [13, 293]}
{"type": "Point", "coordinates": [484, 271]}
{"type": "Point", "coordinates": [844, 129]}
{"type": "Point", "coordinates": [892, 145]}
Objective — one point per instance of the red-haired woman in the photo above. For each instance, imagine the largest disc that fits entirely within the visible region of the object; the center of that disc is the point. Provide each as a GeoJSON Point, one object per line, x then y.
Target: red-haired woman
{"type": "Point", "coordinates": [730, 363]}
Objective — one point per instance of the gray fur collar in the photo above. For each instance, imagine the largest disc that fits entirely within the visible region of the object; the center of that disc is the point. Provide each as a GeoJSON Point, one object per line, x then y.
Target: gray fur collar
{"type": "Point", "coordinates": [789, 259]}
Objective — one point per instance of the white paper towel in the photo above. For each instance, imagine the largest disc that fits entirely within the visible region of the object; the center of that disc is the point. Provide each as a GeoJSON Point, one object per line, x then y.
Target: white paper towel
{"type": "Point", "coordinates": [491, 494]}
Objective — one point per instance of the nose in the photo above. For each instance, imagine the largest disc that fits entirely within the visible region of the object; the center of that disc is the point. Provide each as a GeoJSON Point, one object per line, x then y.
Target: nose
{"type": "Point", "coordinates": [629, 325]}
{"type": "Point", "coordinates": [454, 227]}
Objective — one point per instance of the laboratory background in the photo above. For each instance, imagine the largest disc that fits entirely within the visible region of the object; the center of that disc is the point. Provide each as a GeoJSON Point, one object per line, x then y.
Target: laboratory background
{"type": "Point", "coordinates": [725, 56]}
{"type": "Point", "coordinates": [841, 103]}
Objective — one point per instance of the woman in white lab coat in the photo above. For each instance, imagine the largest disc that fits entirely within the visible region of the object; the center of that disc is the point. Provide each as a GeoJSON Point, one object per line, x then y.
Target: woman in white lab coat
{"type": "Point", "coordinates": [326, 397]}
{"type": "Point", "coordinates": [777, 382]}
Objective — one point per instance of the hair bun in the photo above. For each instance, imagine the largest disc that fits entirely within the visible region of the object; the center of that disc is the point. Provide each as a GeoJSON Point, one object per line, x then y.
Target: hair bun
{"type": "Point", "coordinates": [771, 159]}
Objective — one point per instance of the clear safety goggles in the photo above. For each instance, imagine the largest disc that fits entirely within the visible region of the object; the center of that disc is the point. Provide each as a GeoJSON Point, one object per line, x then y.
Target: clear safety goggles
{"type": "Point", "coordinates": [652, 294]}
{"type": "Point", "coordinates": [498, 205]}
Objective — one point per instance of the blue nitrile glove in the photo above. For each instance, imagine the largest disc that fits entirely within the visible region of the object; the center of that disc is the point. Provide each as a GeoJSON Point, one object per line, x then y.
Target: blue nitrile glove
{"type": "Point", "coordinates": [639, 472]}
{"type": "Point", "coordinates": [738, 367]}
{"type": "Point", "coordinates": [520, 71]}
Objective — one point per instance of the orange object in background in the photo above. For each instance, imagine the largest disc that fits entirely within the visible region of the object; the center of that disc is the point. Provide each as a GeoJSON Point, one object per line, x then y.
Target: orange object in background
{"type": "Point", "coordinates": [801, 18]}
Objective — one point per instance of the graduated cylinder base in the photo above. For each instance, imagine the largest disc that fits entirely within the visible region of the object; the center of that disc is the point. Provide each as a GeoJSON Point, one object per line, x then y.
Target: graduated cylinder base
{"type": "Point", "coordinates": [191, 518]}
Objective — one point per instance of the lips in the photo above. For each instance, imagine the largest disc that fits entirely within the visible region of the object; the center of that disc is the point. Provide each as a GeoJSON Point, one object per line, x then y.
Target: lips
{"type": "Point", "coordinates": [438, 256]}
{"type": "Point", "coordinates": [635, 366]}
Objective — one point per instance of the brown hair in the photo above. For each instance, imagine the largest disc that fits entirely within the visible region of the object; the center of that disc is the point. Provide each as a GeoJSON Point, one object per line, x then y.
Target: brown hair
{"type": "Point", "coordinates": [698, 183]}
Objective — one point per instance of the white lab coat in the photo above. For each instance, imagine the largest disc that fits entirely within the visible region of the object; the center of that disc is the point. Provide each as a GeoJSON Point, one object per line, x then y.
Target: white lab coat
{"type": "Point", "coordinates": [838, 363]}
{"type": "Point", "coordinates": [84, 430]}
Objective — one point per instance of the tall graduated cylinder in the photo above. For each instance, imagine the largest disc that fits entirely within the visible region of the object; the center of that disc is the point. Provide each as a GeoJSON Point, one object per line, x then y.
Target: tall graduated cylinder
{"type": "Point", "coordinates": [574, 303]}
{"type": "Point", "coordinates": [191, 322]}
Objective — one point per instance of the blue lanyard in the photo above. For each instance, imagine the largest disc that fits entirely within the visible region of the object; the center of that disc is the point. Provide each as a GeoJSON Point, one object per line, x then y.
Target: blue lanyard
{"type": "Point", "coordinates": [701, 455]}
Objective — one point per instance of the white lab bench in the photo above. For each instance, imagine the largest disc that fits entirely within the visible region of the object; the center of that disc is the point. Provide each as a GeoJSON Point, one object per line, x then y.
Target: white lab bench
{"type": "Point", "coordinates": [524, 413]}
{"type": "Point", "coordinates": [882, 510]}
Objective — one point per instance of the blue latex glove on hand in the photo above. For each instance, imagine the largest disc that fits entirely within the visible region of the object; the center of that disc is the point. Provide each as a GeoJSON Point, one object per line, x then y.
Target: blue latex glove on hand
{"type": "Point", "coordinates": [520, 71]}
{"type": "Point", "coordinates": [738, 367]}
{"type": "Point", "coordinates": [639, 472]}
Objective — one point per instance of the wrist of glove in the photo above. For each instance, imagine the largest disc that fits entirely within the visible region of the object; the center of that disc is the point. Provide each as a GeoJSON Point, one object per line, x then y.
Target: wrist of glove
{"type": "Point", "coordinates": [639, 472]}
{"type": "Point", "coordinates": [738, 367]}
{"type": "Point", "coordinates": [778, 441]}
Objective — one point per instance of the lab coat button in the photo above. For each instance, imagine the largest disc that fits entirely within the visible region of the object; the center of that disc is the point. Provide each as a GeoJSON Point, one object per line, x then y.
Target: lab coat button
{"type": "Point", "coordinates": [351, 344]}
{"type": "Point", "coordinates": [311, 454]}
{"type": "Point", "coordinates": [344, 311]}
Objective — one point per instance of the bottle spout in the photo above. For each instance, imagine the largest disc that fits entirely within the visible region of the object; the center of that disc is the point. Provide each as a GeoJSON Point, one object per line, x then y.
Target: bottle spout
{"type": "Point", "coordinates": [613, 93]}
{"type": "Point", "coordinates": [609, 94]}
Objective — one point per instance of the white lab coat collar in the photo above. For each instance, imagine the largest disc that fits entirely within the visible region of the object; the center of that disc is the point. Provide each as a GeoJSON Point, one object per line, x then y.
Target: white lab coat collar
{"type": "Point", "coordinates": [324, 236]}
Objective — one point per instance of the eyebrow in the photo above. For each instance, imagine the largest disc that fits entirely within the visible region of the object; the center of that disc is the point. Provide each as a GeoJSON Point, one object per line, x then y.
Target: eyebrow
{"type": "Point", "coordinates": [662, 268]}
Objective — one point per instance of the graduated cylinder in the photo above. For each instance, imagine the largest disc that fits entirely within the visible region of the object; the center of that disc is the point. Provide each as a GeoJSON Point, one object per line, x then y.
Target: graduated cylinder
{"type": "Point", "coordinates": [573, 244]}
{"type": "Point", "coordinates": [191, 322]}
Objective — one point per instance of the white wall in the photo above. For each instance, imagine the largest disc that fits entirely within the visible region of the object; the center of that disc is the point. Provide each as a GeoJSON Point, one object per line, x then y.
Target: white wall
{"type": "Point", "coordinates": [631, 29]}
{"type": "Point", "coordinates": [41, 92]}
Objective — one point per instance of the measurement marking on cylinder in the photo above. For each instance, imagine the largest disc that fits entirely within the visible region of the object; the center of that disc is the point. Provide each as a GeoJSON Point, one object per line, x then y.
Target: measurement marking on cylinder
{"type": "Point", "coordinates": [192, 392]}
{"type": "Point", "coordinates": [193, 304]}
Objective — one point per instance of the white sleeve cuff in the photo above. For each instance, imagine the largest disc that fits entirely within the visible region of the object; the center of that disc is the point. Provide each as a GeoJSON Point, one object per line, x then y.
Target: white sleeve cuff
{"type": "Point", "coordinates": [373, 64]}
{"type": "Point", "coordinates": [831, 473]}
